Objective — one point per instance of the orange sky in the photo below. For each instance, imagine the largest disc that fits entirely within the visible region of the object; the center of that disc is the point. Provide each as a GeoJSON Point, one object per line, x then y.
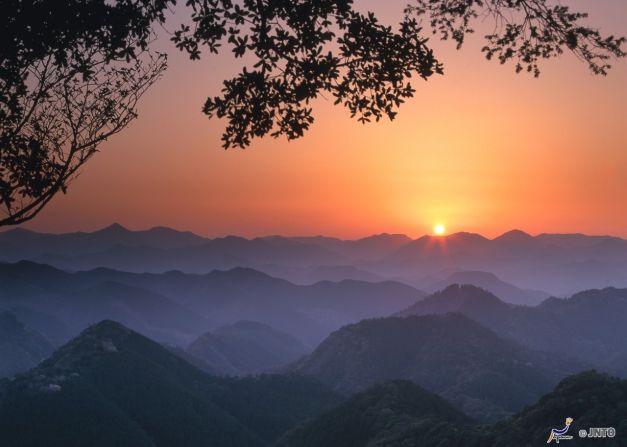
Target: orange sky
{"type": "Point", "coordinates": [479, 149]}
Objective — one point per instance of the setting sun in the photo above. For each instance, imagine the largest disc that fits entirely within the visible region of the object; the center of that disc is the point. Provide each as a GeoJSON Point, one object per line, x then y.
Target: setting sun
{"type": "Point", "coordinates": [439, 229]}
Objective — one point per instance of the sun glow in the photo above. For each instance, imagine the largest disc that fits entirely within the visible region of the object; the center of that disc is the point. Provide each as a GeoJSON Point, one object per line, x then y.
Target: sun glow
{"type": "Point", "coordinates": [439, 229]}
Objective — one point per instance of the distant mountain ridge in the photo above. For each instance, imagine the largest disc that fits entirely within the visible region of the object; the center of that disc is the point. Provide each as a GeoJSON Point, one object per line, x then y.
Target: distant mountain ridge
{"type": "Point", "coordinates": [18, 244]}
{"type": "Point", "coordinates": [559, 264]}
{"type": "Point", "coordinates": [176, 307]}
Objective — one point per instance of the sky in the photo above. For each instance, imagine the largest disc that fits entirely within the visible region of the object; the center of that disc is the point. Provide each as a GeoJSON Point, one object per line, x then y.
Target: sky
{"type": "Point", "coordinates": [479, 149]}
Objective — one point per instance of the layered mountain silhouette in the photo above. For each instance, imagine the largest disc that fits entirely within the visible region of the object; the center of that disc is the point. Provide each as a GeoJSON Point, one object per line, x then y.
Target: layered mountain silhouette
{"type": "Point", "coordinates": [589, 326]}
{"type": "Point", "coordinates": [203, 326]}
{"type": "Point", "coordinates": [245, 347]}
{"type": "Point", "coordinates": [77, 304]}
{"type": "Point", "coordinates": [482, 374]}
{"type": "Point", "coordinates": [400, 414]}
{"type": "Point", "coordinates": [21, 244]}
{"type": "Point", "coordinates": [175, 307]}
{"type": "Point", "coordinates": [560, 264]}
{"type": "Point", "coordinates": [21, 347]}
{"type": "Point", "coordinates": [112, 386]}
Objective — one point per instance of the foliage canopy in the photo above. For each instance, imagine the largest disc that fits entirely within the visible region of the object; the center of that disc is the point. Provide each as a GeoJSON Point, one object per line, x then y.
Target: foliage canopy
{"type": "Point", "coordinates": [71, 73]}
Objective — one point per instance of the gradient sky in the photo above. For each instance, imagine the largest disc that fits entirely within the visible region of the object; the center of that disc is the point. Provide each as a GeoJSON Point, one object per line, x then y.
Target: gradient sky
{"type": "Point", "coordinates": [479, 149]}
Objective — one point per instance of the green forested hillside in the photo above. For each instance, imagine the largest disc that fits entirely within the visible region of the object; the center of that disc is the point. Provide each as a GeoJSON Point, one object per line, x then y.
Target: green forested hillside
{"type": "Point", "coordinates": [113, 387]}
{"type": "Point", "coordinates": [391, 413]}
{"type": "Point", "coordinates": [482, 374]}
{"type": "Point", "coordinates": [592, 399]}
{"type": "Point", "coordinates": [401, 414]}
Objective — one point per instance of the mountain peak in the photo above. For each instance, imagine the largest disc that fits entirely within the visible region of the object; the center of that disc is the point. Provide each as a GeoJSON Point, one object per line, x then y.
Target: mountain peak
{"type": "Point", "coordinates": [464, 298]}
{"type": "Point", "coordinates": [514, 236]}
{"type": "Point", "coordinates": [114, 228]}
{"type": "Point", "coordinates": [490, 282]}
{"type": "Point", "coordinates": [463, 238]}
{"type": "Point", "coordinates": [468, 294]}
{"type": "Point", "coordinates": [105, 337]}
{"type": "Point", "coordinates": [466, 291]}
{"type": "Point", "coordinates": [107, 326]}
{"type": "Point", "coordinates": [466, 235]}
{"type": "Point", "coordinates": [100, 334]}
{"type": "Point", "coordinates": [386, 237]}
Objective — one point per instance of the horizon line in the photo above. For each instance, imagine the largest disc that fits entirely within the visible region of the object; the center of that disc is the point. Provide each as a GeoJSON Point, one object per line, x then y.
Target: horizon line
{"type": "Point", "coordinates": [311, 236]}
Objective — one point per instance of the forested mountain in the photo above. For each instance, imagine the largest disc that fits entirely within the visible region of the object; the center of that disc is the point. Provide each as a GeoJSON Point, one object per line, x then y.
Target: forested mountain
{"type": "Point", "coordinates": [589, 326]}
{"type": "Point", "coordinates": [590, 398]}
{"type": "Point", "coordinates": [21, 347]}
{"type": "Point", "coordinates": [482, 374]}
{"type": "Point", "coordinates": [395, 413]}
{"type": "Point", "coordinates": [399, 414]}
{"type": "Point", "coordinates": [112, 386]}
{"type": "Point", "coordinates": [246, 347]}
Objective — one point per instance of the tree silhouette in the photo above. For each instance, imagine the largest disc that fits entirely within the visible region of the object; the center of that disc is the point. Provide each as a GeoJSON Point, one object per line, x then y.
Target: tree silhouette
{"type": "Point", "coordinates": [71, 72]}
{"type": "Point", "coordinates": [305, 49]}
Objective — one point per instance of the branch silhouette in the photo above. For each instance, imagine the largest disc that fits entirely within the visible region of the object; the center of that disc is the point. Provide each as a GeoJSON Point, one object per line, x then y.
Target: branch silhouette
{"type": "Point", "coordinates": [72, 73]}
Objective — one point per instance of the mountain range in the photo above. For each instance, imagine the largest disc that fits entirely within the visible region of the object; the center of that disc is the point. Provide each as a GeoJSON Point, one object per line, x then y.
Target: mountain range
{"type": "Point", "coordinates": [112, 386]}
{"type": "Point", "coordinates": [546, 264]}
{"type": "Point", "coordinates": [400, 413]}
{"type": "Point", "coordinates": [480, 373]}
{"type": "Point", "coordinates": [589, 326]}
{"type": "Point", "coordinates": [164, 338]}
{"type": "Point", "coordinates": [176, 307]}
